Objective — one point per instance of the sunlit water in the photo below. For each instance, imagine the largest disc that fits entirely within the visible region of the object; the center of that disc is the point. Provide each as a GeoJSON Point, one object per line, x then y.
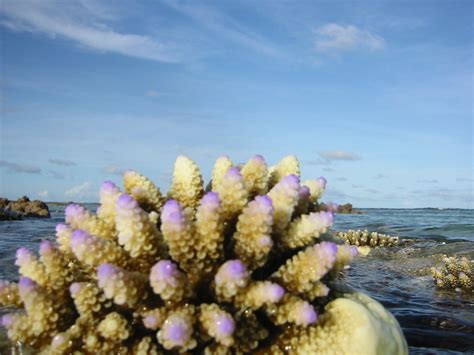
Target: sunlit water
{"type": "Point", "coordinates": [434, 322]}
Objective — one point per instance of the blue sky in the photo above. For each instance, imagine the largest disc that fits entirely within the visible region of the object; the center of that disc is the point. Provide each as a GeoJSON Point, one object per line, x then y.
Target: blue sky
{"type": "Point", "coordinates": [376, 96]}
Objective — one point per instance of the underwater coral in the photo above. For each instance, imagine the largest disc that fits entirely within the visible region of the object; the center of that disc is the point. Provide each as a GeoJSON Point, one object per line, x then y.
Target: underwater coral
{"type": "Point", "coordinates": [456, 274]}
{"type": "Point", "coordinates": [243, 266]}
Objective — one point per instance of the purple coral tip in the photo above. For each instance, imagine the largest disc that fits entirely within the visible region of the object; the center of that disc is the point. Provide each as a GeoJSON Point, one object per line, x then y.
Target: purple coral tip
{"type": "Point", "coordinates": [233, 172]}
{"type": "Point", "coordinates": [275, 292]}
{"type": "Point", "coordinates": [150, 322]}
{"type": "Point", "coordinates": [304, 191]}
{"type": "Point", "coordinates": [104, 271]}
{"type": "Point", "coordinates": [73, 210]}
{"type": "Point", "coordinates": [3, 285]}
{"type": "Point", "coordinates": [259, 158]}
{"type": "Point", "coordinates": [236, 267]}
{"type": "Point", "coordinates": [354, 250]}
{"type": "Point", "coordinates": [291, 179]}
{"type": "Point", "coordinates": [126, 201]}
{"type": "Point", "coordinates": [309, 315]}
{"type": "Point", "coordinates": [231, 270]}
{"type": "Point", "coordinates": [61, 228]}
{"type": "Point", "coordinates": [74, 288]}
{"type": "Point", "coordinates": [26, 284]}
{"type": "Point", "coordinates": [79, 237]}
{"type": "Point", "coordinates": [176, 332]}
{"type": "Point", "coordinates": [171, 212]}
{"type": "Point", "coordinates": [7, 320]}
{"type": "Point", "coordinates": [225, 325]}
{"type": "Point", "coordinates": [164, 269]}
{"type": "Point", "coordinates": [211, 198]}
{"type": "Point", "coordinates": [108, 186]}
{"type": "Point", "coordinates": [264, 200]}
{"type": "Point", "coordinates": [329, 247]}
{"type": "Point", "coordinates": [322, 181]}
{"type": "Point", "coordinates": [22, 255]}
{"type": "Point", "coordinates": [46, 247]}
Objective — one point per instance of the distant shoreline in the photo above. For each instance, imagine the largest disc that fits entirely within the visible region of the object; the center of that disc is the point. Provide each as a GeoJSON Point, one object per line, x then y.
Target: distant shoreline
{"type": "Point", "coordinates": [60, 203]}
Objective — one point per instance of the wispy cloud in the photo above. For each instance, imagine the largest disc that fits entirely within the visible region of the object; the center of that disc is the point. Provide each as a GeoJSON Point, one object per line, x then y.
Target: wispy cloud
{"type": "Point", "coordinates": [221, 24]}
{"type": "Point", "coordinates": [62, 162]}
{"type": "Point", "coordinates": [152, 93]}
{"type": "Point", "coordinates": [20, 168]}
{"type": "Point", "coordinates": [43, 194]}
{"type": "Point", "coordinates": [333, 37]}
{"type": "Point", "coordinates": [82, 24]}
{"type": "Point", "coordinates": [56, 175]}
{"type": "Point", "coordinates": [113, 170]}
{"type": "Point", "coordinates": [428, 181]}
{"type": "Point", "coordinates": [355, 186]}
{"type": "Point", "coordinates": [339, 155]}
{"type": "Point", "coordinates": [79, 191]}
{"type": "Point", "coordinates": [380, 176]}
{"type": "Point", "coordinates": [464, 179]}
{"type": "Point", "coordinates": [372, 191]}
{"type": "Point", "coordinates": [341, 179]}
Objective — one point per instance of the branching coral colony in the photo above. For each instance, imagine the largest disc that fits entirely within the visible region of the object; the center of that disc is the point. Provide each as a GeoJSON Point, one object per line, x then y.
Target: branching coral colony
{"type": "Point", "coordinates": [238, 269]}
{"type": "Point", "coordinates": [365, 238]}
{"type": "Point", "coordinates": [456, 274]}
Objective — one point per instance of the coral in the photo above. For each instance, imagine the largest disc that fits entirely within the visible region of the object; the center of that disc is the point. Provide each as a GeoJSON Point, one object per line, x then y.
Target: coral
{"type": "Point", "coordinates": [361, 238]}
{"type": "Point", "coordinates": [246, 267]}
{"type": "Point", "coordinates": [457, 273]}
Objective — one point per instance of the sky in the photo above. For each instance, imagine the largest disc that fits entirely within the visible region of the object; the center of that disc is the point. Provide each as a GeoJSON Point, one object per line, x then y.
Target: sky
{"type": "Point", "coordinates": [377, 96]}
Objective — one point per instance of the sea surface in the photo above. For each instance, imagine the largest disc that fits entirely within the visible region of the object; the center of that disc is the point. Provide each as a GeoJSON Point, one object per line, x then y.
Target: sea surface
{"type": "Point", "coordinates": [434, 321]}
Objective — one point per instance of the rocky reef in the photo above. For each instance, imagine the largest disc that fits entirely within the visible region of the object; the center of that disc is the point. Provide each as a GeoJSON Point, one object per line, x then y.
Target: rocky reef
{"type": "Point", "coordinates": [22, 207]}
{"type": "Point", "coordinates": [244, 267]}
{"type": "Point", "coordinates": [345, 208]}
{"type": "Point", "coordinates": [456, 273]}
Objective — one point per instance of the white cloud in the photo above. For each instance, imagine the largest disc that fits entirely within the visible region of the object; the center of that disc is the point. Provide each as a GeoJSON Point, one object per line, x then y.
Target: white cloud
{"type": "Point", "coordinates": [43, 194]}
{"type": "Point", "coordinates": [152, 93]}
{"type": "Point", "coordinates": [20, 168]}
{"type": "Point", "coordinates": [333, 37]}
{"type": "Point", "coordinates": [79, 191]}
{"type": "Point", "coordinates": [380, 176]}
{"type": "Point", "coordinates": [82, 23]}
{"type": "Point", "coordinates": [114, 170]}
{"type": "Point", "coordinates": [56, 175]}
{"type": "Point", "coordinates": [428, 181]}
{"type": "Point", "coordinates": [339, 155]}
{"type": "Point", "coordinates": [62, 162]}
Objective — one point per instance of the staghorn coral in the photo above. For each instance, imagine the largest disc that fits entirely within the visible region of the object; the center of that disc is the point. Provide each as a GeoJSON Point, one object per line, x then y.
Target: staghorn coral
{"type": "Point", "coordinates": [363, 238]}
{"type": "Point", "coordinates": [456, 273]}
{"type": "Point", "coordinates": [240, 269]}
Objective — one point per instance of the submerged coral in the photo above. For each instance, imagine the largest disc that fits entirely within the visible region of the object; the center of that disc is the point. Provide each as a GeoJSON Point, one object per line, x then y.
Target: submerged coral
{"type": "Point", "coordinates": [238, 269]}
{"type": "Point", "coordinates": [362, 238]}
{"type": "Point", "coordinates": [457, 273]}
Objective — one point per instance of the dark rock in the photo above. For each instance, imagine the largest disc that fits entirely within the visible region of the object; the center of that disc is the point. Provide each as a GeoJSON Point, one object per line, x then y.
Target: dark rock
{"type": "Point", "coordinates": [8, 215]}
{"type": "Point", "coordinates": [25, 208]}
{"type": "Point", "coordinates": [4, 202]}
{"type": "Point", "coordinates": [345, 208]}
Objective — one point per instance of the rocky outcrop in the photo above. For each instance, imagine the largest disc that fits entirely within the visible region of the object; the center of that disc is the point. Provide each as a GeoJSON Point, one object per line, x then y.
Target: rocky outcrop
{"type": "Point", "coordinates": [23, 207]}
{"type": "Point", "coordinates": [345, 208]}
{"type": "Point", "coordinates": [7, 215]}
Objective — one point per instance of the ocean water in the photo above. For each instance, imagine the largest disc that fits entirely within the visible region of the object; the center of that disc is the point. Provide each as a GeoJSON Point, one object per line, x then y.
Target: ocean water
{"type": "Point", "coordinates": [433, 321]}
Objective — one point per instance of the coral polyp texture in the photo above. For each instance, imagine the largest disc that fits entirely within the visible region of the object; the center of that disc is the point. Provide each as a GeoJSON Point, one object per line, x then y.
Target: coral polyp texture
{"type": "Point", "coordinates": [457, 274]}
{"type": "Point", "coordinates": [362, 238]}
{"type": "Point", "coordinates": [243, 266]}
